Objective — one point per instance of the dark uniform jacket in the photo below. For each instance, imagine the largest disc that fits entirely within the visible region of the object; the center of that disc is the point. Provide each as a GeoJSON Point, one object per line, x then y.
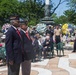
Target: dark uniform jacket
{"type": "Point", "coordinates": [28, 47]}
{"type": "Point", "coordinates": [13, 46]}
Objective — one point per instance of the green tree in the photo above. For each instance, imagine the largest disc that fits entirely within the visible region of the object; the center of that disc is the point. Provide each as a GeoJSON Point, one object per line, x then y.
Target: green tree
{"type": "Point", "coordinates": [61, 20]}
{"type": "Point", "coordinates": [7, 7]}
{"type": "Point", "coordinates": [72, 11]}
{"type": "Point", "coordinates": [33, 10]}
{"type": "Point", "coordinates": [72, 4]}
{"type": "Point", "coordinates": [29, 9]}
{"type": "Point", "coordinates": [68, 17]}
{"type": "Point", "coordinates": [71, 16]}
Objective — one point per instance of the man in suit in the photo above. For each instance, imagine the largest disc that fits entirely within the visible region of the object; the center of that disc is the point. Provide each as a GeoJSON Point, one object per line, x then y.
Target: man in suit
{"type": "Point", "coordinates": [13, 47]}
{"type": "Point", "coordinates": [28, 49]}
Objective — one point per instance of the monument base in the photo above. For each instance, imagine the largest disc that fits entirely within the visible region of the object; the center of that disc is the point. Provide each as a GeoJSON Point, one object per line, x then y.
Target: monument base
{"type": "Point", "coordinates": [47, 20]}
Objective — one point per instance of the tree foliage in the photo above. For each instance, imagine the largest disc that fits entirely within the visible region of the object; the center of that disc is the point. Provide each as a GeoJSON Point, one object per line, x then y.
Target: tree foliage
{"type": "Point", "coordinates": [72, 4]}
{"type": "Point", "coordinates": [60, 20]}
{"type": "Point", "coordinates": [72, 11]}
{"type": "Point", "coordinates": [7, 7]}
{"type": "Point", "coordinates": [29, 9]}
{"type": "Point", "coordinates": [71, 16]}
{"type": "Point", "coordinates": [68, 17]}
{"type": "Point", "coordinates": [33, 10]}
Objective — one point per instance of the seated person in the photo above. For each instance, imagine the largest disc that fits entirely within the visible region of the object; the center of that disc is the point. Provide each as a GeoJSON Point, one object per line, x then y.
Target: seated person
{"type": "Point", "coordinates": [46, 45]}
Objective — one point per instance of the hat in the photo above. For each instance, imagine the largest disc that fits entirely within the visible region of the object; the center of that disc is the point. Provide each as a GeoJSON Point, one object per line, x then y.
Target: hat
{"type": "Point", "coordinates": [14, 17]}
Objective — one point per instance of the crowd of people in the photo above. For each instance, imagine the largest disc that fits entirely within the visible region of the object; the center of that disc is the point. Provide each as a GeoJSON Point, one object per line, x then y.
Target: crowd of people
{"type": "Point", "coordinates": [44, 43]}
{"type": "Point", "coordinates": [24, 45]}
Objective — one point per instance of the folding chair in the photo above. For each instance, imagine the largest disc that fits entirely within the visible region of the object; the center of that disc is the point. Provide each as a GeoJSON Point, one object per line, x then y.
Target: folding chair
{"type": "Point", "coordinates": [60, 48]}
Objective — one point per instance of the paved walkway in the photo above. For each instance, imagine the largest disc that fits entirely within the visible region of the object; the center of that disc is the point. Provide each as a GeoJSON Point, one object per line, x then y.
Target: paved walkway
{"type": "Point", "coordinates": [55, 66]}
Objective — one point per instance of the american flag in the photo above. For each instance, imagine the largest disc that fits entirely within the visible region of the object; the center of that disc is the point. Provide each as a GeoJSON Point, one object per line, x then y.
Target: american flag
{"type": "Point", "coordinates": [5, 27]}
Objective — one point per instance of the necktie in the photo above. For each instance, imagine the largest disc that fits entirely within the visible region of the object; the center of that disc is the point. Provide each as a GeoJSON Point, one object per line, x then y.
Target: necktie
{"type": "Point", "coordinates": [27, 35]}
{"type": "Point", "coordinates": [18, 32]}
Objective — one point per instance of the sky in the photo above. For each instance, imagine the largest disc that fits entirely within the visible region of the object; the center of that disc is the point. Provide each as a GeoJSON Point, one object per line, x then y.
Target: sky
{"type": "Point", "coordinates": [61, 8]}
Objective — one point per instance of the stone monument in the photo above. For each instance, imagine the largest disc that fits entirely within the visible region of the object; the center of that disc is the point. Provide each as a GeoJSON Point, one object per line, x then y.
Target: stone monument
{"type": "Point", "coordinates": [47, 19]}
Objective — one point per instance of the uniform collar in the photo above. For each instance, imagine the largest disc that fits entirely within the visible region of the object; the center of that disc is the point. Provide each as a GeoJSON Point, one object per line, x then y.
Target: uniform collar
{"type": "Point", "coordinates": [24, 30]}
{"type": "Point", "coordinates": [14, 27]}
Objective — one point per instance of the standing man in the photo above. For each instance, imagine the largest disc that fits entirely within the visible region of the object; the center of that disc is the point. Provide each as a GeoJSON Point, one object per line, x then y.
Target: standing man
{"type": "Point", "coordinates": [57, 34]}
{"type": "Point", "coordinates": [13, 47]}
{"type": "Point", "coordinates": [28, 49]}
